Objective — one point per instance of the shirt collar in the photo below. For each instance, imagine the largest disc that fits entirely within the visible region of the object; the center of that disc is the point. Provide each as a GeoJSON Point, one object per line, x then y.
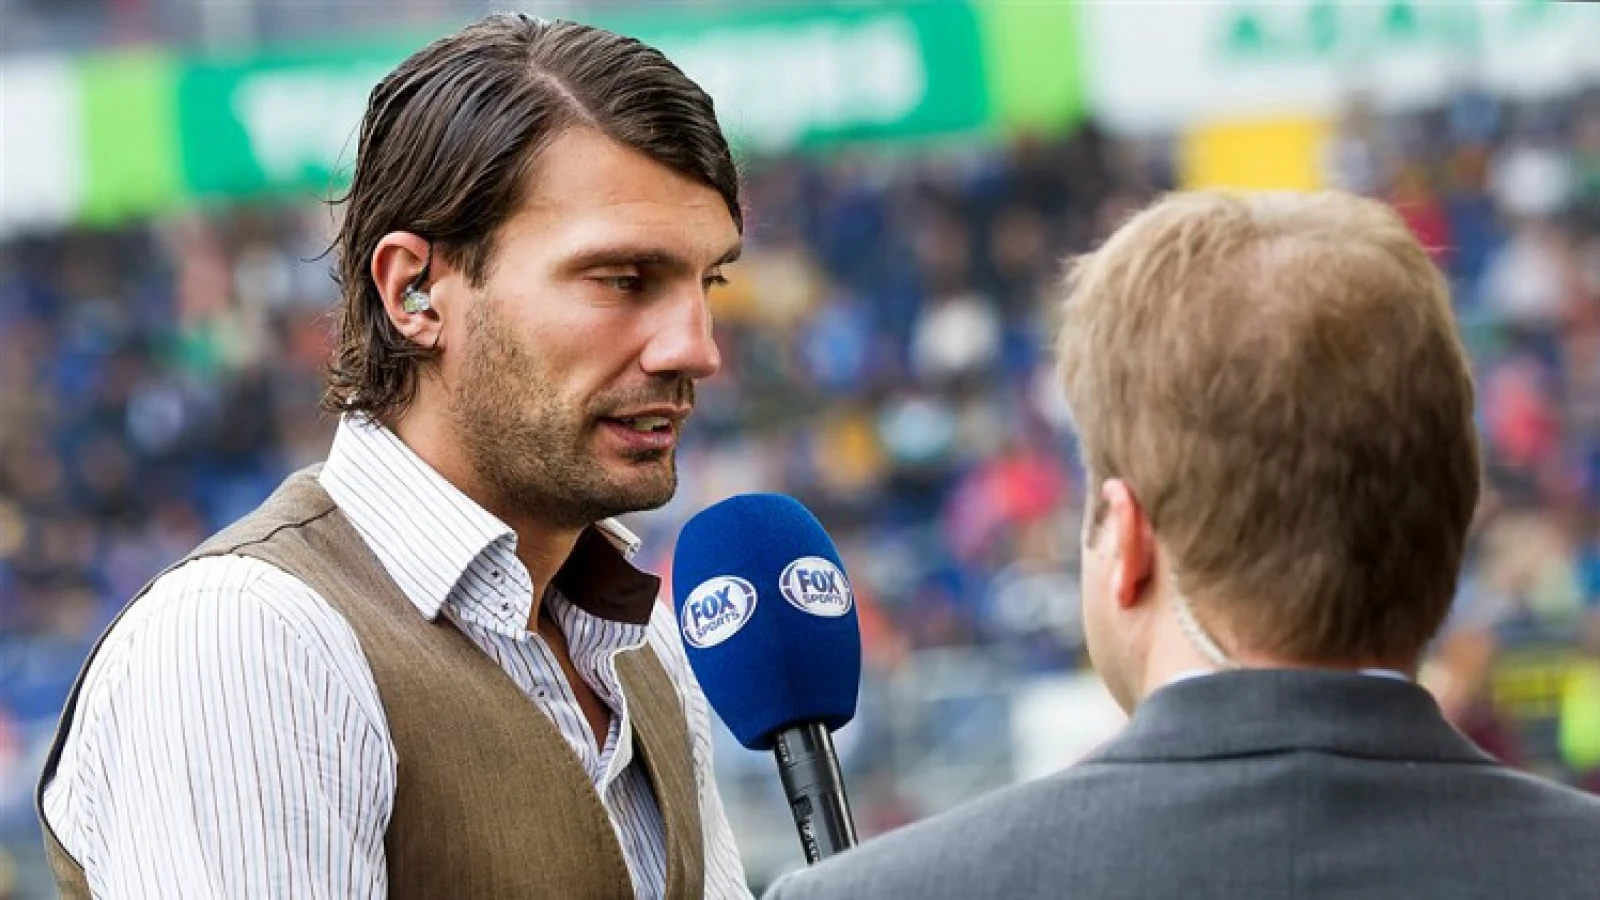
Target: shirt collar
{"type": "Point", "coordinates": [429, 535]}
{"type": "Point", "coordinates": [1393, 674]}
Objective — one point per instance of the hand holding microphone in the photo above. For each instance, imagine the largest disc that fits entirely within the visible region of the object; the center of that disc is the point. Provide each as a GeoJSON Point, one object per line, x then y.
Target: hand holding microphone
{"type": "Point", "coordinates": [769, 624]}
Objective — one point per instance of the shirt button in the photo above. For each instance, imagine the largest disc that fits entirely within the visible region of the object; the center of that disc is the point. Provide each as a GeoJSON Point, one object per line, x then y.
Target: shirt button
{"type": "Point", "coordinates": [496, 575]}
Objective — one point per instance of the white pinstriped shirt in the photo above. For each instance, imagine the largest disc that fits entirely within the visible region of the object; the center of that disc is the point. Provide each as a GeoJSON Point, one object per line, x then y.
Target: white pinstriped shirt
{"type": "Point", "coordinates": [239, 748]}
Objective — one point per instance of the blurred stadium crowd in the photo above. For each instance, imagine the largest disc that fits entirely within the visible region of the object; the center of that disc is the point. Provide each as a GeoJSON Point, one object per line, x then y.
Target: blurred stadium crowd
{"type": "Point", "coordinates": [887, 347]}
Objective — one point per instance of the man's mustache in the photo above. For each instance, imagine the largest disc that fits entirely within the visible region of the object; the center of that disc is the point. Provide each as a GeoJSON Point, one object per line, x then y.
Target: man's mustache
{"type": "Point", "coordinates": [673, 391]}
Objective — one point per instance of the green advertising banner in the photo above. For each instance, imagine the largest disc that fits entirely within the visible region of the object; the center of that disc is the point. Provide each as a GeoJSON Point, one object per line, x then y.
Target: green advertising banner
{"type": "Point", "coordinates": [130, 135]}
{"type": "Point", "coordinates": [1034, 64]}
{"type": "Point", "coordinates": [783, 78]}
{"type": "Point", "coordinates": [156, 130]}
{"type": "Point", "coordinates": [115, 135]}
{"type": "Point", "coordinates": [817, 77]}
{"type": "Point", "coordinates": [273, 122]}
{"type": "Point", "coordinates": [1233, 59]}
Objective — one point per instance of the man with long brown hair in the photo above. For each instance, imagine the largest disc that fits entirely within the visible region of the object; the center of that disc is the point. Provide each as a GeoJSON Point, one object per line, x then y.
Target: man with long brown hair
{"type": "Point", "coordinates": [426, 668]}
{"type": "Point", "coordinates": [1276, 416]}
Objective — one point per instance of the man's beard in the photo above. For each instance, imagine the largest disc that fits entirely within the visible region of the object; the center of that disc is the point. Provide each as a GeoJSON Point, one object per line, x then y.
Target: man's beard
{"type": "Point", "coordinates": [536, 452]}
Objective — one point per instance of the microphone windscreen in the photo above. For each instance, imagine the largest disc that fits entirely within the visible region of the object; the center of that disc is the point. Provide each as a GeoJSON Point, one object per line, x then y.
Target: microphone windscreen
{"type": "Point", "coordinates": [767, 617]}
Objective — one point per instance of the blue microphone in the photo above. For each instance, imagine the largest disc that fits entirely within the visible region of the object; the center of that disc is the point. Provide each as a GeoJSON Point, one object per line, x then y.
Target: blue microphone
{"type": "Point", "coordinates": [769, 624]}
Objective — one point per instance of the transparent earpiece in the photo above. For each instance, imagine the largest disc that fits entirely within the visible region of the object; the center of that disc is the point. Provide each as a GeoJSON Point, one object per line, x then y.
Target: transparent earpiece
{"type": "Point", "coordinates": [415, 301]}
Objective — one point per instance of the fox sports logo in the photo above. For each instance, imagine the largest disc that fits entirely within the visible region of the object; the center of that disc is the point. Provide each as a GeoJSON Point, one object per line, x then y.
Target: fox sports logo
{"type": "Point", "coordinates": [815, 585]}
{"type": "Point", "coordinates": [716, 610]}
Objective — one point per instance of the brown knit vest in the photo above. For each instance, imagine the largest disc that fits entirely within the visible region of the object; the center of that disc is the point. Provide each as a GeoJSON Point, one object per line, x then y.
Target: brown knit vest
{"type": "Point", "coordinates": [490, 801]}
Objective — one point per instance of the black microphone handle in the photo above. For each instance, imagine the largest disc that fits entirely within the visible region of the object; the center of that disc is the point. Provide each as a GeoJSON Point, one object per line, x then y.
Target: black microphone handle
{"type": "Point", "coordinates": [814, 786]}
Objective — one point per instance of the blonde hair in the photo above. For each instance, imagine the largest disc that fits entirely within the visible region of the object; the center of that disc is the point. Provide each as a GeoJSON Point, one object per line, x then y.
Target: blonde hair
{"type": "Point", "coordinates": [1279, 379]}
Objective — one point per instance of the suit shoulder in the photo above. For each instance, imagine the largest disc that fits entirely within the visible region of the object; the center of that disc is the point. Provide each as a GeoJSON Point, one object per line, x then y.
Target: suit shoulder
{"type": "Point", "coordinates": [962, 852]}
{"type": "Point", "coordinates": [1559, 801]}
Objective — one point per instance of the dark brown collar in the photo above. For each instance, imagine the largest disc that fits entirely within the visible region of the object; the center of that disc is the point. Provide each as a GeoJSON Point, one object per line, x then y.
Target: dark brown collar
{"type": "Point", "coordinates": [599, 580]}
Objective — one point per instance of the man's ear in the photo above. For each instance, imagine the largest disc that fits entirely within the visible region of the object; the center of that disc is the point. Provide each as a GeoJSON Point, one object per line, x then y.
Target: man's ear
{"type": "Point", "coordinates": [401, 270]}
{"type": "Point", "coordinates": [1128, 543]}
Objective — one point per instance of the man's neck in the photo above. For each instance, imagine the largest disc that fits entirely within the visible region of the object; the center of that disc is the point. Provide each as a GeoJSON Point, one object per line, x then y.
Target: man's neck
{"type": "Point", "coordinates": [1173, 657]}
{"type": "Point", "coordinates": [541, 548]}
{"type": "Point", "coordinates": [543, 553]}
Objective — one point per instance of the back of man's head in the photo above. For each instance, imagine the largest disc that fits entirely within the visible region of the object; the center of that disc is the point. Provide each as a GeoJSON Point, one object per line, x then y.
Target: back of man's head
{"type": "Point", "coordinates": [1279, 381]}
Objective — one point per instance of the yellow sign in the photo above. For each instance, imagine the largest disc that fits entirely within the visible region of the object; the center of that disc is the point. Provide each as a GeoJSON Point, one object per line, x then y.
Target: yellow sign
{"type": "Point", "coordinates": [1580, 717]}
{"type": "Point", "coordinates": [1529, 684]}
{"type": "Point", "coordinates": [1259, 154]}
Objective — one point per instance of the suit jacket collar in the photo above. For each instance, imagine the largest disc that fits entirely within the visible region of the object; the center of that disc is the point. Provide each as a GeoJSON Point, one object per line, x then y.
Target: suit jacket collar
{"type": "Point", "coordinates": [1257, 711]}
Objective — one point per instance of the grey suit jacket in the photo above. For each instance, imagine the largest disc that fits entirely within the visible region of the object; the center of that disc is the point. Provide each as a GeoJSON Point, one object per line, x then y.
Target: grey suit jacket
{"type": "Point", "coordinates": [1246, 785]}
